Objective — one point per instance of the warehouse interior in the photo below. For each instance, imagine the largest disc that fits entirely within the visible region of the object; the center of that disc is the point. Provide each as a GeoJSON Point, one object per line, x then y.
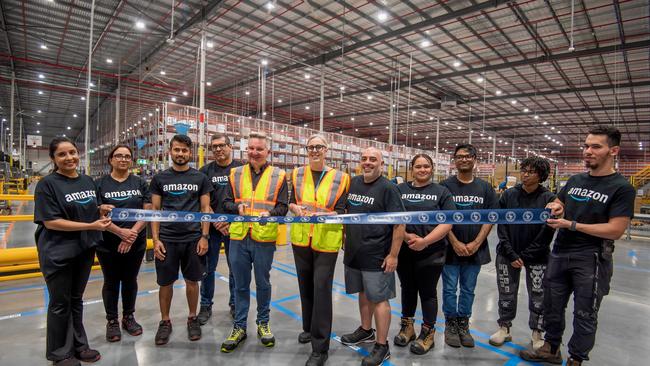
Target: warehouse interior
{"type": "Point", "coordinates": [515, 78]}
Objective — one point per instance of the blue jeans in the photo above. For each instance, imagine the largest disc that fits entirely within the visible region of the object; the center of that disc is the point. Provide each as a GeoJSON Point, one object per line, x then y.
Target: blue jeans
{"type": "Point", "coordinates": [453, 305]}
{"type": "Point", "coordinates": [245, 255]}
{"type": "Point", "coordinates": [207, 284]}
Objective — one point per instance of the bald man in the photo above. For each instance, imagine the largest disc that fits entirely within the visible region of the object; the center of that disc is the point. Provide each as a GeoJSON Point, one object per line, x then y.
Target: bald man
{"type": "Point", "coordinates": [371, 255]}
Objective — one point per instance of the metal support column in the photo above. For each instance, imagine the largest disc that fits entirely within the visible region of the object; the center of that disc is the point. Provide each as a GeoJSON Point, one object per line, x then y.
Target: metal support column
{"type": "Point", "coordinates": [117, 105]}
{"type": "Point", "coordinates": [88, 80]}
{"type": "Point", "coordinates": [322, 97]}
{"type": "Point", "coordinates": [202, 102]}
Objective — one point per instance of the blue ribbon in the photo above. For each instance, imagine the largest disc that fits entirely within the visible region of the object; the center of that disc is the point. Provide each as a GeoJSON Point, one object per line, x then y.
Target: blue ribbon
{"type": "Point", "coordinates": [456, 217]}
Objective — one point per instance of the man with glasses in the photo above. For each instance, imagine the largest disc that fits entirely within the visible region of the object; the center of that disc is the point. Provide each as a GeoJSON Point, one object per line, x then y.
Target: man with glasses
{"type": "Point", "coordinates": [523, 246]}
{"type": "Point", "coordinates": [218, 172]}
{"type": "Point", "coordinates": [469, 247]}
{"type": "Point", "coordinates": [255, 189]}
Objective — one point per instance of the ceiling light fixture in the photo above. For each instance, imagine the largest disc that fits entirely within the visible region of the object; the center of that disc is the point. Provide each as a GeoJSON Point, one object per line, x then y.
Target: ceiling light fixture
{"type": "Point", "coordinates": [513, 102]}
{"type": "Point", "coordinates": [139, 24]}
{"type": "Point", "coordinates": [75, 115]}
{"type": "Point", "coordinates": [536, 116]}
{"type": "Point", "coordinates": [38, 111]}
{"type": "Point", "coordinates": [279, 100]}
{"type": "Point", "coordinates": [209, 44]}
{"type": "Point", "coordinates": [369, 97]}
{"type": "Point", "coordinates": [382, 16]}
{"type": "Point", "coordinates": [247, 92]}
{"type": "Point", "coordinates": [208, 83]}
{"type": "Point", "coordinates": [162, 72]}
{"type": "Point", "coordinates": [173, 99]}
{"type": "Point", "coordinates": [457, 63]}
{"type": "Point", "coordinates": [526, 110]}
{"type": "Point", "coordinates": [41, 76]}
{"type": "Point", "coordinates": [307, 107]}
{"type": "Point", "coordinates": [264, 62]}
{"type": "Point", "coordinates": [109, 60]}
{"type": "Point", "coordinates": [331, 113]}
{"type": "Point", "coordinates": [425, 43]}
{"type": "Point", "coordinates": [479, 80]}
{"type": "Point", "coordinates": [270, 6]}
{"type": "Point", "coordinates": [43, 46]}
{"type": "Point", "coordinates": [307, 76]}
{"type": "Point", "coordinates": [498, 92]}
{"type": "Point", "coordinates": [40, 92]}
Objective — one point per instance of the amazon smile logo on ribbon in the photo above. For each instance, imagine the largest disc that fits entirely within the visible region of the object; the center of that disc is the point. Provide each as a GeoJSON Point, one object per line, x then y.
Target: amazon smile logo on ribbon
{"type": "Point", "coordinates": [82, 197]}
{"type": "Point", "coordinates": [466, 217]}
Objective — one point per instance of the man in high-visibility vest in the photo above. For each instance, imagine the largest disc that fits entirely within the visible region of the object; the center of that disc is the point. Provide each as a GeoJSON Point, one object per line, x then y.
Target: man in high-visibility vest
{"type": "Point", "coordinates": [317, 190]}
{"type": "Point", "coordinates": [256, 189]}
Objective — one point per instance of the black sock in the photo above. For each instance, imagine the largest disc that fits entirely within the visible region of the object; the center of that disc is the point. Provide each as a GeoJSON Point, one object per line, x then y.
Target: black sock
{"type": "Point", "coordinates": [554, 348]}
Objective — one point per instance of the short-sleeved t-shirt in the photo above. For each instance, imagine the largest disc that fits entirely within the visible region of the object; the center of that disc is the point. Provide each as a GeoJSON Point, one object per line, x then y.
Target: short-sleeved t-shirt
{"type": "Point", "coordinates": [592, 200]}
{"type": "Point", "coordinates": [131, 193]}
{"type": "Point", "coordinates": [180, 191]}
{"type": "Point", "coordinates": [74, 199]}
{"type": "Point", "coordinates": [366, 246]}
{"type": "Point", "coordinates": [431, 197]}
{"type": "Point", "coordinates": [476, 195]}
{"type": "Point", "coordinates": [219, 177]}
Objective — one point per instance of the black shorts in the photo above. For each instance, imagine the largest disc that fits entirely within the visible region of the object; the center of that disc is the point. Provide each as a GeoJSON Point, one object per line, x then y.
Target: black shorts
{"type": "Point", "coordinates": [180, 255]}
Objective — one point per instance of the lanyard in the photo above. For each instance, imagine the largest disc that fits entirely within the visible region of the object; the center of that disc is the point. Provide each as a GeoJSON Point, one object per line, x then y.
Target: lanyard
{"type": "Point", "coordinates": [322, 174]}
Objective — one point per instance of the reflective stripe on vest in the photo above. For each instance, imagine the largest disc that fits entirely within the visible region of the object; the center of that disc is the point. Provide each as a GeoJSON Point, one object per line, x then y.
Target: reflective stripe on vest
{"type": "Point", "coordinates": [324, 237]}
{"type": "Point", "coordinates": [263, 198]}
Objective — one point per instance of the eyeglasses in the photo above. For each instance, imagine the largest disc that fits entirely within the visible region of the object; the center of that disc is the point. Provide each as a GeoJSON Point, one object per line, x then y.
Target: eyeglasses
{"type": "Point", "coordinates": [122, 157]}
{"type": "Point", "coordinates": [315, 147]}
{"type": "Point", "coordinates": [464, 157]}
{"type": "Point", "coordinates": [529, 172]}
{"type": "Point", "coordinates": [219, 147]}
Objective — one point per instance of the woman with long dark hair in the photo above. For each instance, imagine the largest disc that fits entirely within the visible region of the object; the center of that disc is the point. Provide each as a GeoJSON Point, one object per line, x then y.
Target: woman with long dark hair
{"type": "Point", "coordinates": [69, 228]}
{"type": "Point", "coordinates": [124, 244]}
{"type": "Point", "coordinates": [422, 255]}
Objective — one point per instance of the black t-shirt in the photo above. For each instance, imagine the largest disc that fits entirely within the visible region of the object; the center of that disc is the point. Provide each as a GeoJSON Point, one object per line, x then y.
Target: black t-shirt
{"type": "Point", "coordinates": [132, 193]}
{"type": "Point", "coordinates": [74, 199]}
{"type": "Point", "coordinates": [180, 191]}
{"type": "Point", "coordinates": [592, 200]}
{"type": "Point", "coordinates": [366, 246]}
{"type": "Point", "coordinates": [431, 197]}
{"type": "Point", "coordinates": [476, 195]}
{"type": "Point", "coordinates": [219, 177]}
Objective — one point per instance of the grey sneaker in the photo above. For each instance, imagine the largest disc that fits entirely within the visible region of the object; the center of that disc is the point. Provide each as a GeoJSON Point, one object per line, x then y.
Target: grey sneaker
{"type": "Point", "coordinates": [163, 333]}
{"type": "Point", "coordinates": [377, 356]}
{"type": "Point", "coordinates": [204, 314]}
{"type": "Point", "coordinates": [304, 337]}
{"type": "Point", "coordinates": [358, 336]}
{"type": "Point", "coordinates": [193, 329]}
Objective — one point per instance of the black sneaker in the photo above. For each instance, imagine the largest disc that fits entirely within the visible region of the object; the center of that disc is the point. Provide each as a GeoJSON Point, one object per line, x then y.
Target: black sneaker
{"type": "Point", "coordinates": [88, 355]}
{"type": "Point", "coordinates": [70, 361]}
{"type": "Point", "coordinates": [316, 359]}
{"type": "Point", "coordinates": [113, 333]}
{"type": "Point", "coordinates": [163, 333]}
{"type": "Point", "coordinates": [358, 336]}
{"type": "Point", "coordinates": [237, 335]}
{"type": "Point", "coordinates": [304, 337]}
{"type": "Point", "coordinates": [131, 326]}
{"type": "Point", "coordinates": [377, 356]}
{"type": "Point", "coordinates": [193, 329]}
{"type": "Point", "coordinates": [204, 314]}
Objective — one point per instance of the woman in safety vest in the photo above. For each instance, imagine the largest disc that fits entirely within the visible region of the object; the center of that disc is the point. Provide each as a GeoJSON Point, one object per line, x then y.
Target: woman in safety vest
{"type": "Point", "coordinates": [317, 190]}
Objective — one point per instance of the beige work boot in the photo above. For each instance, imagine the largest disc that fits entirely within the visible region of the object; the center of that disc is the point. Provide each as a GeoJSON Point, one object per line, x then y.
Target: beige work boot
{"type": "Point", "coordinates": [406, 333]}
{"type": "Point", "coordinates": [501, 336]}
{"type": "Point", "coordinates": [536, 339]}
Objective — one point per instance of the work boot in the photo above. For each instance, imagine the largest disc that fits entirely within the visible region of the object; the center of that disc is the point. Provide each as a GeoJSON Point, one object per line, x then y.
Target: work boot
{"type": "Point", "coordinates": [70, 361]}
{"type": "Point", "coordinates": [204, 314]}
{"type": "Point", "coordinates": [451, 333]}
{"type": "Point", "coordinates": [163, 333]}
{"type": "Point", "coordinates": [304, 337]}
{"type": "Point", "coordinates": [377, 356]}
{"type": "Point", "coordinates": [193, 329]}
{"type": "Point", "coordinates": [501, 336]}
{"type": "Point", "coordinates": [406, 332]}
{"type": "Point", "coordinates": [573, 362]}
{"type": "Point", "coordinates": [360, 335]}
{"type": "Point", "coordinates": [463, 332]}
{"type": "Point", "coordinates": [113, 333]}
{"type": "Point", "coordinates": [88, 355]}
{"type": "Point", "coordinates": [237, 335]}
{"type": "Point", "coordinates": [316, 359]}
{"type": "Point", "coordinates": [266, 336]}
{"type": "Point", "coordinates": [543, 354]}
{"type": "Point", "coordinates": [424, 342]}
{"type": "Point", "coordinates": [131, 326]}
{"type": "Point", "coordinates": [536, 339]}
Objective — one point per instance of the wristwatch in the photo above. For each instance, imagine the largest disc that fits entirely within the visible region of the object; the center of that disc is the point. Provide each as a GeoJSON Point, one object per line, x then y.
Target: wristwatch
{"type": "Point", "coordinates": [573, 226]}
{"type": "Point", "coordinates": [206, 237]}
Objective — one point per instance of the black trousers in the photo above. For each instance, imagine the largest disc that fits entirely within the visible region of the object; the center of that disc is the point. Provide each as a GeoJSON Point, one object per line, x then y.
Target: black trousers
{"type": "Point", "coordinates": [120, 270]}
{"type": "Point", "coordinates": [419, 276]}
{"type": "Point", "coordinates": [586, 276]}
{"type": "Point", "coordinates": [315, 275]}
{"type": "Point", "coordinates": [508, 285]}
{"type": "Point", "coordinates": [65, 331]}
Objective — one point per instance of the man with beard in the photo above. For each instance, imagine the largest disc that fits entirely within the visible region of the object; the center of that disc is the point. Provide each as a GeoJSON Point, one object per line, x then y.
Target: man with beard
{"type": "Point", "coordinates": [371, 253]}
{"type": "Point", "coordinates": [468, 250]}
{"type": "Point", "coordinates": [218, 172]}
{"type": "Point", "coordinates": [180, 244]}
{"type": "Point", "coordinates": [597, 208]}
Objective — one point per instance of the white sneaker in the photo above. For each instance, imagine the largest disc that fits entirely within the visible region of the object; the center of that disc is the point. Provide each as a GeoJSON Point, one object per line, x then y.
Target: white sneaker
{"type": "Point", "coordinates": [501, 336]}
{"type": "Point", "coordinates": [536, 339]}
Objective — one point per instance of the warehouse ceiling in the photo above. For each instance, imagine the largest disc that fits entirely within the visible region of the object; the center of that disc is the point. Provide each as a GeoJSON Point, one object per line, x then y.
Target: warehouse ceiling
{"type": "Point", "coordinates": [538, 73]}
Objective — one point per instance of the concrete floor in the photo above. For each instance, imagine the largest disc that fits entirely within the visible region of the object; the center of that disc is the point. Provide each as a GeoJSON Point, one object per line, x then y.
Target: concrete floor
{"type": "Point", "coordinates": [623, 336]}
